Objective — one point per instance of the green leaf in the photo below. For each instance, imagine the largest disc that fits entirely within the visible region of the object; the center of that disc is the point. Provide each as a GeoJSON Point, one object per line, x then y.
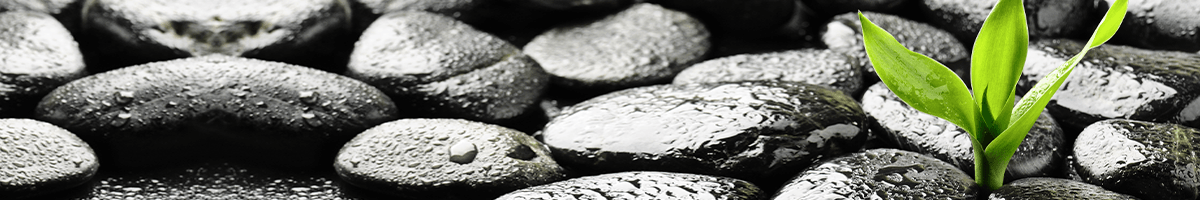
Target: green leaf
{"type": "Point", "coordinates": [923, 83]}
{"type": "Point", "coordinates": [997, 60]}
{"type": "Point", "coordinates": [1027, 111]}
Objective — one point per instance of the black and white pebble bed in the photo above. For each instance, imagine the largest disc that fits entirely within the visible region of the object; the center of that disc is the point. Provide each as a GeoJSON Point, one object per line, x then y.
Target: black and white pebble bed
{"type": "Point", "coordinates": [1053, 188]}
{"type": "Point", "coordinates": [844, 34]}
{"type": "Point", "coordinates": [881, 174]}
{"type": "Point", "coordinates": [813, 66]}
{"type": "Point", "coordinates": [1144, 159]}
{"type": "Point", "coordinates": [37, 54]}
{"type": "Point", "coordinates": [38, 157]}
{"type": "Point", "coordinates": [642, 185]}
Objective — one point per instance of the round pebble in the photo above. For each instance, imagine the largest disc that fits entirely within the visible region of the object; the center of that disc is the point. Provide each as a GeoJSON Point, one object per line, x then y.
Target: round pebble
{"type": "Point", "coordinates": [37, 54]}
{"type": "Point", "coordinates": [642, 185]}
{"type": "Point", "coordinates": [881, 174]}
{"type": "Point", "coordinates": [38, 157]}
{"type": "Point", "coordinates": [812, 66]}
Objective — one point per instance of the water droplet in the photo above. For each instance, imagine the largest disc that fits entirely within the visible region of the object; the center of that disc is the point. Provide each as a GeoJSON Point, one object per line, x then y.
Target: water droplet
{"type": "Point", "coordinates": [124, 97]}
{"type": "Point", "coordinates": [172, 104]}
{"type": "Point", "coordinates": [120, 119]}
{"type": "Point", "coordinates": [311, 119]}
{"type": "Point", "coordinates": [260, 104]}
{"type": "Point", "coordinates": [463, 152]}
{"type": "Point", "coordinates": [308, 97]}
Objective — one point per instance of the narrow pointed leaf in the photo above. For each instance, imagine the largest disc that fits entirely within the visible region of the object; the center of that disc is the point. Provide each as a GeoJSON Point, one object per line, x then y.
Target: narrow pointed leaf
{"type": "Point", "coordinates": [923, 83]}
{"type": "Point", "coordinates": [1027, 111]}
{"type": "Point", "coordinates": [997, 60]}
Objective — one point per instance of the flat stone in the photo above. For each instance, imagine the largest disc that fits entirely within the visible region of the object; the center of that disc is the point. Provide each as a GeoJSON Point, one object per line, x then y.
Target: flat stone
{"type": "Point", "coordinates": [843, 6]}
{"type": "Point", "coordinates": [1041, 153]}
{"type": "Point", "coordinates": [39, 158]}
{"type": "Point", "coordinates": [737, 17]}
{"type": "Point", "coordinates": [812, 66]}
{"type": "Point", "coordinates": [37, 54]}
{"type": "Point", "coordinates": [1053, 188]}
{"type": "Point", "coordinates": [1045, 18]}
{"type": "Point", "coordinates": [643, 45]}
{"type": "Point", "coordinates": [844, 34]}
{"type": "Point", "coordinates": [442, 158]}
{"type": "Point", "coordinates": [1144, 159]}
{"type": "Point", "coordinates": [436, 66]}
{"type": "Point", "coordinates": [642, 185]}
{"type": "Point", "coordinates": [1160, 25]}
{"type": "Point", "coordinates": [881, 174]}
{"type": "Point", "coordinates": [1115, 81]}
{"type": "Point", "coordinates": [756, 131]}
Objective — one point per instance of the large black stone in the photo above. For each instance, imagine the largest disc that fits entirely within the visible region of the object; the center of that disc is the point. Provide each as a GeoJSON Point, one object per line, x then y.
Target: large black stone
{"type": "Point", "coordinates": [642, 185]}
{"type": "Point", "coordinates": [762, 132]}
{"type": "Point", "coordinates": [36, 55]}
{"type": "Point", "coordinates": [844, 34]}
{"type": "Point", "coordinates": [737, 17]}
{"type": "Point", "coordinates": [1053, 188]}
{"type": "Point", "coordinates": [812, 66]}
{"type": "Point", "coordinates": [881, 174]}
{"type": "Point", "coordinates": [1145, 159]}
{"type": "Point", "coordinates": [38, 157]}
{"type": "Point", "coordinates": [1045, 18]}
{"type": "Point", "coordinates": [834, 7]}
{"type": "Point", "coordinates": [1161, 24]}
{"type": "Point", "coordinates": [1115, 81]}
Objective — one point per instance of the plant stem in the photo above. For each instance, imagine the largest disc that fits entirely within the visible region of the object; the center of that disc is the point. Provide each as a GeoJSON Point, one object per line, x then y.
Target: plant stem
{"type": "Point", "coordinates": [986, 175]}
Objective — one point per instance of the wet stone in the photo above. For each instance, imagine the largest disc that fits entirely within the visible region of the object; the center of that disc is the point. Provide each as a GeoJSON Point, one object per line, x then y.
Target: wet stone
{"type": "Point", "coordinates": [812, 66]}
{"type": "Point", "coordinates": [1040, 154]}
{"type": "Point", "coordinates": [216, 107]}
{"type": "Point", "coordinates": [215, 181]}
{"type": "Point", "coordinates": [844, 34]}
{"type": "Point", "coordinates": [642, 45]}
{"type": "Point", "coordinates": [756, 131]}
{"type": "Point", "coordinates": [881, 174]}
{"type": "Point", "coordinates": [1045, 18]}
{"type": "Point", "coordinates": [1115, 81]}
{"type": "Point", "coordinates": [38, 158]}
{"type": "Point", "coordinates": [435, 66]}
{"type": "Point", "coordinates": [441, 158]}
{"type": "Point", "coordinates": [642, 185]}
{"type": "Point", "coordinates": [736, 17]}
{"type": "Point", "coordinates": [1161, 24]}
{"type": "Point", "coordinates": [37, 54]}
{"type": "Point", "coordinates": [1053, 188]}
{"type": "Point", "coordinates": [843, 6]}
{"type": "Point", "coordinates": [312, 33]}
{"type": "Point", "coordinates": [1144, 159]}
{"type": "Point", "coordinates": [581, 4]}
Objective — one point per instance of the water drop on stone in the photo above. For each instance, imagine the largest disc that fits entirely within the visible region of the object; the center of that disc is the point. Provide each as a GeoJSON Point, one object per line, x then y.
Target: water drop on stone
{"type": "Point", "coordinates": [311, 119]}
{"type": "Point", "coordinates": [308, 97]}
{"type": "Point", "coordinates": [124, 97]}
{"type": "Point", "coordinates": [463, 152]}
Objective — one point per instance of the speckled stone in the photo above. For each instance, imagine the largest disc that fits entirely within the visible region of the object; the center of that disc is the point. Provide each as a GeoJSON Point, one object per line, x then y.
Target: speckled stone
{"type": "Point", "coordinates": [818, 67]}
{"type": "Point", "coordinates": [36, 55]}
{"type": "Point", "coordinates": [828, 7]}
{"type": "Point", "coordinates": [642, 45]}
{"type": "Point", "coordinates": [1045, 18]}
{"type": "Point", "coordinates": [844, 34]}
{"type": "Point", "coordinates": [642, 185]}
{"type": "Point", "coordinates": [1041, 153]}
{"type": "Point", "coordinates": [41, 6]}
{"type": "Point", "coordinates": [1160, 24]}
{"type": "Point", "coordinates": [216, 107]}
{"type": "Point", "coordinates": [1115, 81]}
{"type": "Point", "coordinates": [737, 17]}
{"type": "Point", "coordinates": [38, 157]}
{"type": "Point", "coordinates": [881, 174]}
{"type": "Point", "coordinates": [1144, 159]}
{"type": "Point", "coordinates": [435, 66]}
{"type": "Point", "coordinates": [215, 181]}
{"type": "Point", "coordinates": [441, 158]}
{"type": "Point", "coordinates": [312, 33]}
{"type": "Point", "coordinates": [761, 132]}
{"type": "Point", "coordinates": [1053, 188]}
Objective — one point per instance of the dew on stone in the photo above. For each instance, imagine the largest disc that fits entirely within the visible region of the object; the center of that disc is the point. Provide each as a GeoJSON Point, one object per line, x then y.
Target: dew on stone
{"type": "Point", "coordinates": [463, 152]}
{"type": "Point", "coordinates": [123, 97]}
{"type": "Point", "coordinates": [308, 97]}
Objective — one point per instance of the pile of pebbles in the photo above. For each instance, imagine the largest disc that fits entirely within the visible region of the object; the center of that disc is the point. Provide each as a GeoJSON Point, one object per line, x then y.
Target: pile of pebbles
{"type": "Point", "coordinates": [568, 99]}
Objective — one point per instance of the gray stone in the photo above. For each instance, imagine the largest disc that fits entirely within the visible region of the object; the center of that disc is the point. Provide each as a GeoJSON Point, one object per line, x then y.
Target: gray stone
{"type": "Point", "coordinates": [38, 157]}
{"type": "Point", "coordinates": [313, 33]}
{"type": "Point", "coordinates": [52, 7]}
{"type": "Point", "coordinates": [1040, 154]}
{"type": "Point", "coordinates": [812, 66]}
{"type": "Point", "coordinates": [441, 158]}
{"type": "Point", "coordinates": [1161, 24]}
{"type": "Point", "coordinates": [642, 45]}
{"type": "Point", "coordinates": [215, 181]}
{"type": "Point", "coordinates": [1115, 81]}
{"type": "Point", "coordinates": [737, 17]}
{"type": "Point", "coordinates": [438, 67]}
{"type": "Point", "coordinates": [581, 4]}
{"type": "Point", "coordinates": [642, 185]}
{"type": "Point", "coordinates": [1053, 188]}
{"type": "Point", "coordinates": [881, 174]}
{"type": "Point", "coordinates": [216, 107]}
{"type": "Point", "coordinates": [1045, 18]}
{"type": "Point", "coordinates": [36, 55]}
{"type": "Point", "coordinates": [756, 131]}
{"type": "Point", "coordinates": [1144, 159]}
{"type": "Point", "coordinates": [835, 7]}
{"type": "Point", "coordinates": [844, 34]}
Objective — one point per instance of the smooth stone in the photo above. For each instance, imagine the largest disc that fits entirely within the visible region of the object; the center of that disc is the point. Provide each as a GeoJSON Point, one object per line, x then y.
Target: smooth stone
{"type": "Point", "coordinates": [1115, 81]}
{"type": "Point", "coordinates": [844, 34]}
{"type": "Point", "coordinates": [812, 66]}
{"type": "Point", "coordinates": [835, 7]}
{"type": "Point", "coordinates": [216, 107]}
{"type": "Point", "coordinates": [312, 33]}
{"type": "Point", "coordinates": [1160, 24]}
{"type": "Point", "coordinates": [1144, 159]}
{"type": "Point", "coordinates": [736, 17]}
{"type": "Point", "coordinates": [37, 54]}
{"type": "Point", "coordinates": [642, 185]}
{"type": "Point", "coordinates": [38, 158]}
{"type": "Point", "coordinates": [441, 158]}
{"type": "Point", "coordinates": [761, 132]}
{"type": "Point", "coordinates": [643, 45]}
{"type": "Point", "coordinates": [881, 174]}
{"type": "Point", "coordinates": [215, 181]}
{"type": "Point", "coordinates": [1053, 188]}
{"type": "Point", "coordinates": [52, 7]}
{"type": "Point", "coordinates": [1044, 18]}
{"type": "Point", "coordinates": [1041, 153]}
{"type": "Point", "coordinates": [581, 4]}
{"type": "Point", "coordinates": [435, 66]}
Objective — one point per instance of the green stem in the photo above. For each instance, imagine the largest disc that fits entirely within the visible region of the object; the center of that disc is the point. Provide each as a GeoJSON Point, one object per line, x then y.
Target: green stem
{"type": "Point", "coordinates": [986, 175]}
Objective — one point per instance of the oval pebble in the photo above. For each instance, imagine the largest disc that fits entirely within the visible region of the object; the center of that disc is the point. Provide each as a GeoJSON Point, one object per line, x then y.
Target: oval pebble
{"type": "Point", "coordinates": [441, 158]}
{"type": "Point", "coordinates": [642, 185]}
{"type": "Point", "coordinates": [1160, 24]}
{"type": "Point", "coordinates": [642, 45]}
{"type": "Point", "coordinates": [37, 54]}
{"type": "Point", "coordinates": [1044, 18]}
{"type": "Point", "coordinates": [881, 174]}
{"type": "Point", "coordinates": [737, 17]}
{"type": "Point", "coordinates": [1144, 159]}
{"type": "Point", "coordinates": [1053, 188]}
{"type": "Point", "coordinates": [755, 131]}
{"type": "Point", "coordinates": [812, 66]}
{"type": "Point", "coordinates": [38, 157]}
{"type": "Point", "coordinates": [844, 34]}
